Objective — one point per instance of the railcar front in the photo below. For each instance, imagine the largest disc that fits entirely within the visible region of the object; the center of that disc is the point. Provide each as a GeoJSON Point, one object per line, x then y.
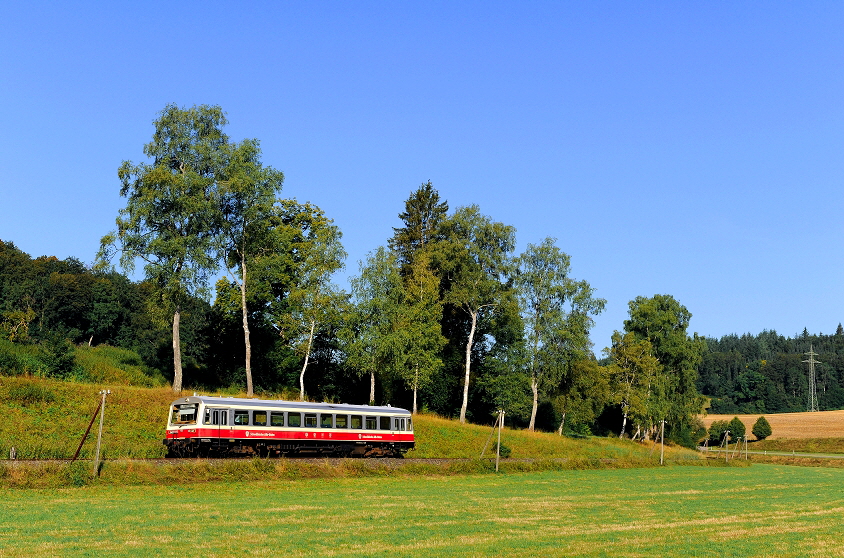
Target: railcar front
{"type": "Point", "coordinates": [206, 426]}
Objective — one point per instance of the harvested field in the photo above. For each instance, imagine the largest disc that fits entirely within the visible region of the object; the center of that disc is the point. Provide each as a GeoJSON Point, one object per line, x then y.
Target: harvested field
{"type": "Point", "coordinates": [822, 424]}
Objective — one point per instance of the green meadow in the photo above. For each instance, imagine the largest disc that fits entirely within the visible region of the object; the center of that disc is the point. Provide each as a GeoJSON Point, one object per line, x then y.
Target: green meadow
{"type": "Point", "coordinates": [761, 510]}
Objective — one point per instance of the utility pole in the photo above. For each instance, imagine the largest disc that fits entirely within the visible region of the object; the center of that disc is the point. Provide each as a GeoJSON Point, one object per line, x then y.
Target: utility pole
{"type": "Point", "coordinates": [662, 443]}
{"type": "Point", "coordinates": [813, 397]}
{"type": "Point", "coordinates": [498, 449]}
{"type": "Point", "coordinates": [100, 435]}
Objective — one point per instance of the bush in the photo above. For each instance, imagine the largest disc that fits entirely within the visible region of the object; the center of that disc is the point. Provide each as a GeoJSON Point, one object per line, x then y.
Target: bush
{"type": "Point", "coordinates": [737, 429]}
{"type": "Point", "coordinates": [27, 394]}
{"type": "Point", "coordinates": [716, 431]}
{"type": "Point", "coordinates": [505, 450]}
{"type": "Point", "coordinates": [762, 428]}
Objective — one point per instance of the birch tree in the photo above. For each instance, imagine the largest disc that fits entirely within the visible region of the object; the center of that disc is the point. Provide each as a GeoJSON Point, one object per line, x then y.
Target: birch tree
{"type": "Point", "coordinates": [299, 275]}
{"type": "Point", "coordinates": [371, 342]}
{"type": "Point", "coordinates": [477, 263]}
{"type": "Point", "coordinates": [247, 196]}
{"type": "Point", "coordinates": [171, 220]}
{"type": "Point", "coordinates": [557, 312]}
{"type": "Point", "coordinates": [634, 375]}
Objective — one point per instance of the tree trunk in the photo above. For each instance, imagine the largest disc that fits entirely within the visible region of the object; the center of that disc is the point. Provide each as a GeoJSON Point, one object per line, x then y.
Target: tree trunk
{"type": "Point", "coordinates": [562, 423]}
{"type": "Point", "coordinates": [468, 367]}
{"type": "Point", "coordinates": [372, 387]}
{"type": "Point", "coordinates": [177, 353]}
{"type": "Point", "coordinates": [249, 387]}
{"type": "Point", "coordinates": [415, 388]}
{"type": "Point", "coordinates": [534, 387]}
{"type": "Point", "coordinates": [623, 424]}
{"type": "Point", "coordinates": [307, 356]}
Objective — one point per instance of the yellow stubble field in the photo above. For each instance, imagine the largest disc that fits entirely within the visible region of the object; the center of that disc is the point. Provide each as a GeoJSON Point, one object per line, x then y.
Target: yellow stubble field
{"type": "Point", "coordinates": [821, 424]}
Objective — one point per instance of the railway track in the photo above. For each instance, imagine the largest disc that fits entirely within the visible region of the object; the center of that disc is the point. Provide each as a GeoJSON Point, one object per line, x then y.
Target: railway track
{"type": "Point", "coordinates": [335, 461]}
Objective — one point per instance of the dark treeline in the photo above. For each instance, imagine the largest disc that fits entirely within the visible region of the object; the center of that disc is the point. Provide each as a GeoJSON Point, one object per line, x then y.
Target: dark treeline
{"type": "Point", "coordinates": [766, 373]}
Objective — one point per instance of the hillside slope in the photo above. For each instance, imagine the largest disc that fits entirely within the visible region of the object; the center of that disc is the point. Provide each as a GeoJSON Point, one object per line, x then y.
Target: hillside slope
{"type": "Point", "coordinates": [47, 419]}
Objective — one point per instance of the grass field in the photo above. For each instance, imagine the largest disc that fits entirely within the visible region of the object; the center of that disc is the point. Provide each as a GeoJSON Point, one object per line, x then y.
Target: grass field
{"type": "Point", "coordinates": [47, 418]}
{"type": "Point", "coordinates": [793, 426]}
{"type": "Point", "coordinates": [762, 510]}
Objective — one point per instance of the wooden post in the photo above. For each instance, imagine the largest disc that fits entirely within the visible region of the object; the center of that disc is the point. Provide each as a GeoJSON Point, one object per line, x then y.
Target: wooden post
{"type": "Point", "coordinates": [726, 446]}
{"type": "Point", "coordinates": [498, 448]}
{"type": "Point", "coordinates": [100, 435]}
{"type": "Point", "coordinates": [662, 443]}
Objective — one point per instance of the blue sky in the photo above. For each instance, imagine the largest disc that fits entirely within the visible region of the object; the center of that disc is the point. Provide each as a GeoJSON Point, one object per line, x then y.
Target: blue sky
{"type": "Point", "coordinates": [687, 148]}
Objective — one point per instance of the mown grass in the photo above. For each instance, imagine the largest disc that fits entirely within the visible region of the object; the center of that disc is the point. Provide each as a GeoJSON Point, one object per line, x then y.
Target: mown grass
{"type": "Point", "coordinates": [672, 511]}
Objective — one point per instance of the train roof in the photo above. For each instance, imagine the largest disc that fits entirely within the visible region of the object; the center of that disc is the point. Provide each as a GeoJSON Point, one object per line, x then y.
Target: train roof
{"type": "Point", "coordinates": [280, 403]}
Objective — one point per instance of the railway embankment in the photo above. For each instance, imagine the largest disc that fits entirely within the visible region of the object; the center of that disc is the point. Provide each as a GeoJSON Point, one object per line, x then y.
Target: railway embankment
{"type": "Point", "coordinates": [47, 419]}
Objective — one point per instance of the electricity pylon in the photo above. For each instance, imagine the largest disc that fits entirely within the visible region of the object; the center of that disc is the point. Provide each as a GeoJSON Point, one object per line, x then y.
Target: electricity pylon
{"type": "Point", "coordinates": [813, 397]}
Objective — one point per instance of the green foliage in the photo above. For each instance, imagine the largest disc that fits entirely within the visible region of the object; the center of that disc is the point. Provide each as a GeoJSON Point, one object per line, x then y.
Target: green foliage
{"type": "Point", "coordinates": [557, 312]}
{"type": "Point", "coordinates": [717, 430]}
{"type": "Point", "coordinates": [171, 219]}
{"type": "Point", "coordinates": [737, 429]}
{"type": "Point", "coordinates": [663, 322]}
{"type": "Point", "coordinates": [30, 394]}
{"type": "Point", "coordinates": [59, 357]}
{"type": "Point", "coordinates": [765, 373]}
{"type": "Point", "coordinates": [761, 428]}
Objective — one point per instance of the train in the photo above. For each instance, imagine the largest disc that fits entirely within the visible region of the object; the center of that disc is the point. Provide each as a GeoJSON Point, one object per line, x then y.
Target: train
{"type": "Point", "coordinates": [207, 426]}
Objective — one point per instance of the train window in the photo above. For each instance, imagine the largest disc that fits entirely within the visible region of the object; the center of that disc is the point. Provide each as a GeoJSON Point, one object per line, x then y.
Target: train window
{"type": "Point", "coordinates": [276, 419]}
{"type": "Point", "coordinates": [294, 419]}
{"type": "Point", "coordinates": [357, 421]}
{"type": "Point", "coordinates": [259, 418]}
{"type": "Point", "coordinates": [401, 425]}
{"type": "Point", "coordinates": [310, 420]}
{"type": "Point", "coordinates": [326, 421]}
{"type": "Point", "coordinates": [371, 423]}
{"type": "Point", "coordinates": [241, 417]}
{"type": "Point", "coordinates": [341, 421]}
{"type": "Point", "coordinates": [216, 417]}
{"type": "Point", "coordinates": [385, 423]}
{"type": "Point", "coordinates": [409, 424]}
{"type": "Point", "coordinates": [183, 414]}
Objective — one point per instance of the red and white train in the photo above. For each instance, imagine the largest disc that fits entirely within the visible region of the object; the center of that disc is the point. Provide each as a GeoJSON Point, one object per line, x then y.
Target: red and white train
{"type": "Point", "coordinates": [201, 426]}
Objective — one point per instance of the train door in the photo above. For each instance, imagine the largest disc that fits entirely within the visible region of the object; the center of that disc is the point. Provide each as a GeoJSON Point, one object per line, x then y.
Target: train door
{"type": "Point", "coordinates": [220, 424]}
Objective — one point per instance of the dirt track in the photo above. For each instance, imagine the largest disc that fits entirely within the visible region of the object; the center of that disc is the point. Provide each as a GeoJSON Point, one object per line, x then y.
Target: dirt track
{"type": "Point", "coordinates": [823, 424]}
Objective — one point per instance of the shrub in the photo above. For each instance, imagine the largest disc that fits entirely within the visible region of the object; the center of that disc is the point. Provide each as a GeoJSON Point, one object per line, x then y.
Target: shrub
{"type": "Point", "coordinates": [737, 429]}
{"type": "Point", "coordinates": [716, 431]}
{"type": "Point", "coordinates": [762, 428]}
{"type": "Point", "coordinates": [505, 450]}
{"type": "Point", "coordinates": [27, 394]}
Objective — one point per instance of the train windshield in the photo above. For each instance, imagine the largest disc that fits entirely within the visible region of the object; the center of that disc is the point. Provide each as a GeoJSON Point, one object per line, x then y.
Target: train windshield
{"type": "Point", "coordinates": [183, 414]}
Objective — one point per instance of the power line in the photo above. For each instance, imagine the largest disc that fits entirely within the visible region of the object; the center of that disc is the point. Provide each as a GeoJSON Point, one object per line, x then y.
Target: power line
{"type": "Point", "coordinates": [813, 397]}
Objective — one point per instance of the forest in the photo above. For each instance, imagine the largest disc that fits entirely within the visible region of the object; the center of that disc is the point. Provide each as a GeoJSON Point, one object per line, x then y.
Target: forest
{"type": "Point", "coordinates": [444, 317]}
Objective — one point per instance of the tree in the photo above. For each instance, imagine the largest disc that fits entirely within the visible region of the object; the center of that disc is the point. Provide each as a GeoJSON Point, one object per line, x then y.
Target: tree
{"type": "Point", "coordinates": [306, 252]}
{"type": "Point", "coordinates": [419, 328]}
{"type": "Point", "coordinates": [171, 220]}
{"type": "Point", "coordinates": [372, 344]}
{"type": "Point", "coordinates": [634, 373]}
{"type": "Point", "coordinates": [476, 260]}
{"type": "Point", "coordinates": [420, 312]}
{"type": "Point", "coordinates": [761, 428]}
{"type": "Point", "coordinates": [557, 312]}
{"type": "Point", "coordinates": [717, 430]}
{"type": "Point", "coordinates": [247, 196]}
{"type": "Point", "coordinates": [737, 429]}
{"type": "Point", "coordinates": [663, 322]}
{"type": "Point", "coordinates": [423, 218]}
